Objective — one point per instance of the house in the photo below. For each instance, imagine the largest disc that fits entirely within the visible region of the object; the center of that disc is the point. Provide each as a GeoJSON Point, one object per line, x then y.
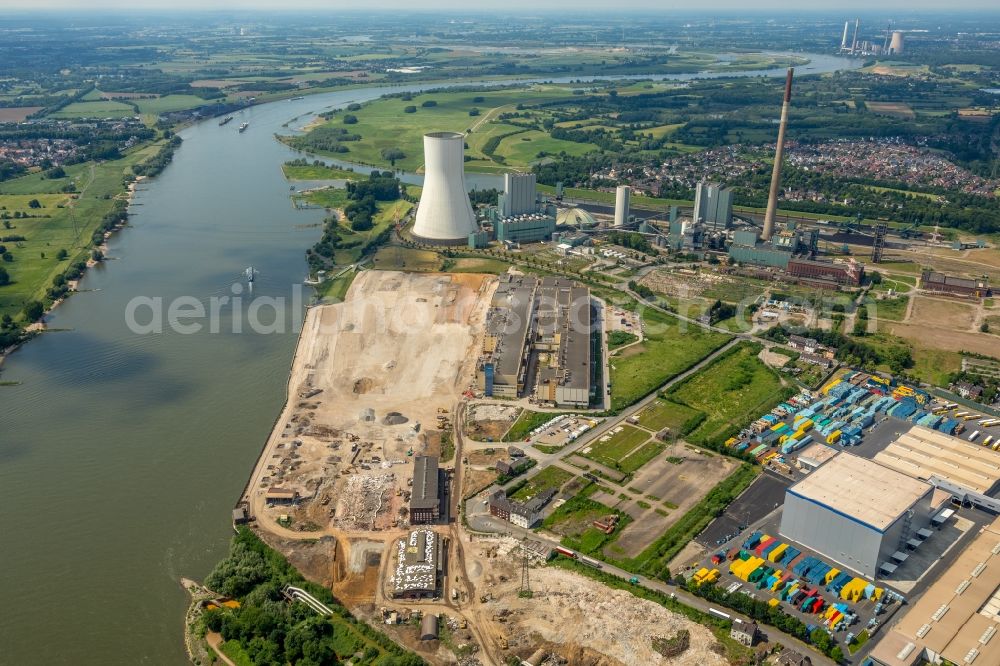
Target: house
{"type": "Point", "coordinates": [968, 390]}
{"type": "Point", "coordinates": [816, 359]}
{"type": "Point", "coordinates": [278, 495]}
{"type": "Point", "coordinates": [522, 514]}
{"type": "Point", "coordinates": [512, 468]}
{"type": "Point", "coordinates": [792, 658]}
{"type": "Point", "coordinates": [809, 345]}
{"type": "Point", "coordinates": [744, 633]}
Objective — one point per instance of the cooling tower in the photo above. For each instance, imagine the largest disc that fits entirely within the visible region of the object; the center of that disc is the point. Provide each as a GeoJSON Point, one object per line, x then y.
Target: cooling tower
{"type": "Point", "coordinates": [779, 152]}
{"type": "Point", "coordinates": [444, 214]}
{"type": "Point", "coordinates": [622, 195]}
{"type": "Point", "coordinates": [896, 45]}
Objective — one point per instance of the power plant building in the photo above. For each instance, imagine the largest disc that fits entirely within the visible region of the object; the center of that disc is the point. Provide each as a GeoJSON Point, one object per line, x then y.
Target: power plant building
{"type": "Point", "coordinates": [519, 194]}
{"type": "Point", "coordinates": [713, 205]}
{"type": "Point", "coordinates": [856, 512]}
{"type": "Point", "coordinates": [518, 216]}
{"type": "Point", "coordinates": [444, 215]}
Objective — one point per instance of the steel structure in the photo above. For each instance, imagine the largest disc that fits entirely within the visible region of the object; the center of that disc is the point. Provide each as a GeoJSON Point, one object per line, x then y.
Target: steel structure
{"type": "Point", "coordinates": [881, 229]}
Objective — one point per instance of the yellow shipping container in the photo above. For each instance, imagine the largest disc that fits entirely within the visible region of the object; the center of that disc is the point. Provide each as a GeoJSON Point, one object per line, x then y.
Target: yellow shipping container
{"type": "Point", "coordinates": [773, 602]}
{"type": "Point", "coordinates": [777, 426]}
{"type": "Point", "coordinates": [853, 590]}
{"type": "Point", "coordinates": [830, 575]}
{"type": "Point", "coordinates": [776, 553]}
{"type": "Point", "coordinates": [730, 441]}
{"type": "Point", "coordinates": [833, 437]}
{"type": "Point", "coordinates": [826, 389]}
{"type": "Point", "coordinates": [701, 574]}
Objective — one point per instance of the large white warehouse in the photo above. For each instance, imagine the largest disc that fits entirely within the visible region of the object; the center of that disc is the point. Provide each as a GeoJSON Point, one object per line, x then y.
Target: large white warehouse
{"type": "Point", "coordinates": [444, 215]}
{"type": "Point", "coordinates": [857, 513]}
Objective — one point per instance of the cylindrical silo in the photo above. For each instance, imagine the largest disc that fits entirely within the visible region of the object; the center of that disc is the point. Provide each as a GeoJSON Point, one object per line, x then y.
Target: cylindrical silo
{"type": "Point", "coordinates": [444, 214]}
{"type": "Point", "coordinates": [622, 196]}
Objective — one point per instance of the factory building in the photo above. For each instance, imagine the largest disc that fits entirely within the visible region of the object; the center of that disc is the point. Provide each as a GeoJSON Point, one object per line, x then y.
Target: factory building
{"type": "Point", "coordinates": [857, 513]}
{"type": "Point", "coordinates": [548, 321]}
{"type": "Point", "coordinates": [519, 217]}
{"type": "Point", "coordinates": [533, 228]}
{"type": "Point", "coordinates": [562, 336]}
{"type": "Point", "coordinates": [427, 494]}
{"type": "Point", "coordinates": [519, 194]}
{"type": "Point", "coordinates": [419, 568]}
{"type": "Point", "coordinates": [522, 514]}
{"type": "Point", "coordinates": [956, 620]}
{"type": "Point", "coordinates": [840, 273]}
{"type": "Point", "coordinates": [503, 361]}
{"type": "Point", "coordinates": [948, 284]}
{"type": "Point", "coordinates": [970, 473]}
{"type": "Point", "coordinates": [444, 215]}
{"type": "Point", "coordinates": [713, 205]}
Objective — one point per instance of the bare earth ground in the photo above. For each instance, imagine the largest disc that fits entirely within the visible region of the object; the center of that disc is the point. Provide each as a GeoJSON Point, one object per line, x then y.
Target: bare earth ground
{"type": "Point", "coordinates": [401, 343]}
{"type": "Point", "coordinates": [956, 315]}
{"type": "Point", "coordinates": [681, 485]}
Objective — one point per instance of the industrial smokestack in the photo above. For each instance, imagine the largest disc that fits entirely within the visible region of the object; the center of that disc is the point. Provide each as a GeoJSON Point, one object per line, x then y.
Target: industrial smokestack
{"type": "Point", "coordinates": [445, 213]}
{"type": "Point", "coordinates": [854, 42]}
{"type": "Point", "coordinates": [843, 40]}
{"type": "Point", "coordinates": [779, 151]}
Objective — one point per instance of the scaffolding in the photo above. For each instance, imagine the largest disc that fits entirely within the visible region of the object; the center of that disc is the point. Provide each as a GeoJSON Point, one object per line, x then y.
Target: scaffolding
{"type": "Point", "coordinates": [881, 229]}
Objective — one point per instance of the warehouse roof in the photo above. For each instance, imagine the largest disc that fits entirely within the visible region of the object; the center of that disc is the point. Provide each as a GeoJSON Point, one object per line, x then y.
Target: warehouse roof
{"type": "Point", "coordinates": [958, 616]}
{"type": "Point", "coordinates": [816, 454]}
{"type": "Point", "coordinates": [417, 563]}
{"type": "Point", "coordinates": [862, 490]}
{"type": "Point", "coordinates": [425, 483]}
{"type": "Point", "coordinates": [924, 453]}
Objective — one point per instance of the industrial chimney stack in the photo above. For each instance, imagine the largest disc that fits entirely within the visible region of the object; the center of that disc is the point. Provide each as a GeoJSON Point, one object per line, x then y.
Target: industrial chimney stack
{"type": "Point", "coordinates": [772, 197]}
{"type": "Point", "coordinates": [843, 40]}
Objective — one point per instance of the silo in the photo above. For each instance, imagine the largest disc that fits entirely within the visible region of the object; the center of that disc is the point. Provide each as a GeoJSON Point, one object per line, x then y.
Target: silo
{"type": "Point", "coordinates": [896, 45]}
{"type": "Point", "coordinates": [622, 196]}
{"type": "Point", "coordinates": [444, 215]}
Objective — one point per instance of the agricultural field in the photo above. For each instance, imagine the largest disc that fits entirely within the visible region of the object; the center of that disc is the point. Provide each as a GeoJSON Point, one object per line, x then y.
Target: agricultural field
{"type": "Point", "coordinates": [895, 109]}
{"type": "Point", "coordinates": [16, 114]}
{"type": "Point", "coordinates": [611, 449]}
{"type": "Point", "coordinates": [169, 103]}
{"type": "Point", "coordinates": [666, 351]}
{"type": "Point", "coordinates": [96, 109]}
{"type": "Point", "coordinates": [730, 392]}
{"type": "Point", "coordinates": [63, 222]}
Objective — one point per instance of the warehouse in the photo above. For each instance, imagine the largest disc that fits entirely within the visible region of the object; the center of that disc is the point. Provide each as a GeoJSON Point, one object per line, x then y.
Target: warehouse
{"type": "Point", "coordinates": [956, 619]}
{"type": "Point", "coordinates": [970, 473]}
{"type": "Point", "coordinates": [502, 364]}
{"type": "Point", "coordinates": [419, 567]}
{"type": "Point", "coordinates": [856, 512]}
{"type": "Point", "coordinates": [948, 284]}
{"type": "Point", "coordinates": [425, 498]}
{"type": "Point", "coordinates": [849, 273]}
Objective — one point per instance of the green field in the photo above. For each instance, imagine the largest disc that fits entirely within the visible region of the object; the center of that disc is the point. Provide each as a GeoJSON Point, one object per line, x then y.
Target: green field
{"type": "Point", "coordinates": [98, 109]}
{"type": "Point", "coordinates": [666, 414]}
{"type": "Point", "coordinates": [573, 520]}
{"type": "Point", "coordinates": [666, 351]}
{"type": "Point", "coordinates": [641, 456]}
{"type": "Point", "coordinates": [475, 265]}
{"type": "Point", "coordinates": [893, 309]}
{"type": "Point", "coordinates": [65, 222]}
{"type": "Point", "coordinates": [616, 447]}
{"type": "Point", "coordinates": [383, 124]}
{"type": "Point", "coordinates": [731, 392]}
{"type": "Point", "coordinates": [169, 103]}
{"type": "Point", "coordinates": [317, 172]}
{"type": "Point", "coordinates": [327, 197]}
{"type": "Point", "coordinates": [551, 477]}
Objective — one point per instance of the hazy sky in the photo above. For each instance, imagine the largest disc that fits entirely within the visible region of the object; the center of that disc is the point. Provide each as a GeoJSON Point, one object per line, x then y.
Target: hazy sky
{"type": "Point", "coordinates": [796, 6]}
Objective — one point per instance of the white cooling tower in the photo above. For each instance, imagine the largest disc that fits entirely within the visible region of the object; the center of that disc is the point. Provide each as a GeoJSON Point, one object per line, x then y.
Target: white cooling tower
{"type": "Point", "coordinates": [444, 214]}
{"type": "Point", "coordinates": [622, 195]}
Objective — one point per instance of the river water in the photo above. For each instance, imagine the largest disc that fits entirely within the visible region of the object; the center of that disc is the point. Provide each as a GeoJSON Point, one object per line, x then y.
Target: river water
{"type": "Point", "coordinates": [122, 453]}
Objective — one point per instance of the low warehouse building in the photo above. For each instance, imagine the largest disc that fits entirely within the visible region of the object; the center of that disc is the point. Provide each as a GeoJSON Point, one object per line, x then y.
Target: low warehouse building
{"type": "Point", "coordinates": [969, 472]}
{"type": "Point", "coordinates": [856, 512]}
{"type": "Point", "coordinates": [956, 620]}
{"type": "Point", "coordinates": [949, 284]}
{"type": "Point", "coordinates": [426, 499]}
{"type": "Point", "coordinates": [419, 567]}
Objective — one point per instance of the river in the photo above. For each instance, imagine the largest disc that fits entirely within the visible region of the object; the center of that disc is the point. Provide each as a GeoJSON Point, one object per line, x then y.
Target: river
{"type": "Point", "coordinates": [121, 454]}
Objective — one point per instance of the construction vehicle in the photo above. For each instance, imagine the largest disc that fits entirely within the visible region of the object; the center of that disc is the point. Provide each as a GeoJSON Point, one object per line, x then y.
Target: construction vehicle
{"type": "Point", "coordinates": [634, 580]}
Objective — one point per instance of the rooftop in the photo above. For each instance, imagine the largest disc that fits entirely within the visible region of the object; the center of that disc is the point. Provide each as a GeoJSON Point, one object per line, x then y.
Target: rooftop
{"type": "Point", "coordinates": [957, 616]}
{"type": "Point", "coordinates": [425, 483]}
{"type": "Point", "coordinates": [862, 489]}
{"type": "Point", "coordinates": [817, 453]}
{"type": "Point", "coordinates": [924, 453]}
{"type": "Point", "coordinates": [416, 562]}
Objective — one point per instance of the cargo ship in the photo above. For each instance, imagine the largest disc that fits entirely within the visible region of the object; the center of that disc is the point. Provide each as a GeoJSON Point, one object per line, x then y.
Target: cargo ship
{"type": "Point", "coordinates": [225, 121]}
{"type": "Point", "coordinates": [243, 127]}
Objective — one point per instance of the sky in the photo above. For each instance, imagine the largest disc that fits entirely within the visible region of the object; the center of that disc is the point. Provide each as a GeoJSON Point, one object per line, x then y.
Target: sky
{"type": "Point", "coordinates": [506, 6]}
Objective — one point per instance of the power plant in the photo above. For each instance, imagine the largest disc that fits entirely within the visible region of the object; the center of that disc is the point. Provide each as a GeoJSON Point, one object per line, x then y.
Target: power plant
{"type": "Point", "coordinates": [444, 215]}
{"type": "Point", "coordinates": [622, 196]}
{"type": "Point", "coordinates": [772, 197]}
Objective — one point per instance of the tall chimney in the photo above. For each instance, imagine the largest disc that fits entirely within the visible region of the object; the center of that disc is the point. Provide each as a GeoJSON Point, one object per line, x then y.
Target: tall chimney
{"type": "Point", "coordinates": [843, 40]}
{"type": "Point", "coordinates": [779, 151]}
{"type": "Point", "coordinates": [854, 42]}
